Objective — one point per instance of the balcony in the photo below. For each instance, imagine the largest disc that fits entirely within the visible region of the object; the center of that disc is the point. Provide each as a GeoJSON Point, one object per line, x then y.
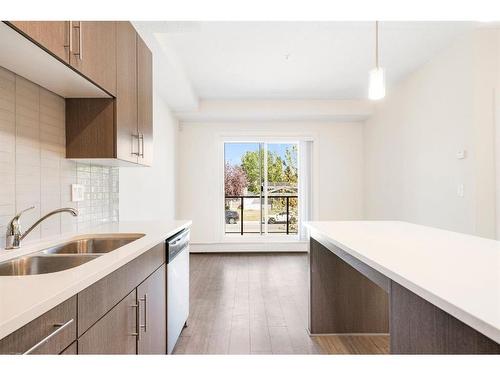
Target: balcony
{"type": "Point", "coordinates": [250, 215]}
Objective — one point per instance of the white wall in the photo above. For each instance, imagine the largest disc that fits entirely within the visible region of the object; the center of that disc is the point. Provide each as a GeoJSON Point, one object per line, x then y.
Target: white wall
{"type": "Point", "coordinates": [411, 141]}
{"type": "Point", "coordinates": [148, 193]}
{"type": "Point", "coordinates": [337, 174]}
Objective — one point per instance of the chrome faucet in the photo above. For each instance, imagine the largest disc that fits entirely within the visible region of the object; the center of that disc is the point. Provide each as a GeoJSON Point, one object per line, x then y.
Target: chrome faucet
{"type": "Point", "coordinates": [14, 236]}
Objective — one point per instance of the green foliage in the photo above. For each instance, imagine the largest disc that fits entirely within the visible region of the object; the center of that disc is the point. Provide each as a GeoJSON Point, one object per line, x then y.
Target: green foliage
{"type": "Point", "coordinates": [278, 170]}
{"type": "Point", "coordinates": [250, 164]}
{"type": "Point", "coordinates": [291, 174]}
{"type": "Point", "coordinates": [274, 167]}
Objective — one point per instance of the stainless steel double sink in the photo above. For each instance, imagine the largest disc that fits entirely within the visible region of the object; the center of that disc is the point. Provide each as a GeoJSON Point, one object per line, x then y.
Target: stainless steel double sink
{"type": "Point", "coordinates": [65, 256]}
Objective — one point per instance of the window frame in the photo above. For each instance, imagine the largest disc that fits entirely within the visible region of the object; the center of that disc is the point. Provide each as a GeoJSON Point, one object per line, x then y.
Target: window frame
{"type": "Point", "coordinates": [264, 237]}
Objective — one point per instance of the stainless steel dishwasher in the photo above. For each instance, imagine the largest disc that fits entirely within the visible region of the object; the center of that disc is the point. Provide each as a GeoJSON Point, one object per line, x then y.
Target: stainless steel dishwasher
{"type": "Point", "coordinates": [177, 286]}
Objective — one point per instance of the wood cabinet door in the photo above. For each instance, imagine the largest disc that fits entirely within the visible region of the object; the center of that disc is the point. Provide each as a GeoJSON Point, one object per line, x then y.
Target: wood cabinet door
{"type": "Point", "coordinates": [145, 101]}
{"type": "Point", "coordinates": [152, 300]}
{"type": "Point", "coordinates": [115, 333]}
{"type": "Point", "coordinates": [127, 140]}
{"type": "Point", "coordinates": [71, 350]}
{"type": "Point", "coordinates": [52, 35]}
{"type": "Point", "coordinates": [93, 52]}
{"type": "Point", "coordinates": [100, 297]}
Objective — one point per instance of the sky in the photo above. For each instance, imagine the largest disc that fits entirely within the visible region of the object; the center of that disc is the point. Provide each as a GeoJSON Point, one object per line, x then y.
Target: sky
{"type": "Point", "coordinates": [234, 151]}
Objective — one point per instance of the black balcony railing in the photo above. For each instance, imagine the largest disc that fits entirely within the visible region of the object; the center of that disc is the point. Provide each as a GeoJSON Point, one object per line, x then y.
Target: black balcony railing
{"type": "Point", "coordinates": [288, 214]}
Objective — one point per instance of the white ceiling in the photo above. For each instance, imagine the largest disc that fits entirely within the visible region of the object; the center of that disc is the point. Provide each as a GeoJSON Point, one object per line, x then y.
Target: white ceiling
{"type": "Point", "coordinates": [287, 60]}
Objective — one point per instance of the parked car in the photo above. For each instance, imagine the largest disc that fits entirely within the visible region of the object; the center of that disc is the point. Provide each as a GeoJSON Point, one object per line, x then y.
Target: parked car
{"type": "Point", "coordinates": [281, 218]}
{"type": "Point", "coordinates": [232, 217]}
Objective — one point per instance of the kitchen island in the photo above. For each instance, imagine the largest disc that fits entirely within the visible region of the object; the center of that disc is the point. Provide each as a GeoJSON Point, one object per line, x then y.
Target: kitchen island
{"type": "Point", "coordinates": [433, 291]}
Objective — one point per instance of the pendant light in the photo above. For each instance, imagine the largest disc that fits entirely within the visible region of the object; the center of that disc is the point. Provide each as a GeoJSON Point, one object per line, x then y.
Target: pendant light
{"type": "Point", "coordinates": [376, 90]}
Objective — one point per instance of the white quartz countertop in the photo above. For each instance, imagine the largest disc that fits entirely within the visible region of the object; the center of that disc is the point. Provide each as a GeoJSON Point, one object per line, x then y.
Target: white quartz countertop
{"type": "Point", "coordinates": [24, 298]}
{"type": "Point", "coordinates": [458, 273]}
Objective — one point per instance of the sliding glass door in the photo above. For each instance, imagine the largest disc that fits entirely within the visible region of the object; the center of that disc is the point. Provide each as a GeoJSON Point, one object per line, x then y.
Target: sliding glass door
{"type": "Point", "coordinates": [261, 188]}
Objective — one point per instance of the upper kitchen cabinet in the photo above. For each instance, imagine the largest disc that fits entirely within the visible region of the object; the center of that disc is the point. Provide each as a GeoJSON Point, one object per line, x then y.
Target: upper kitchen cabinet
{"type": "Point", "coordinates": [93, 52]}
{"type": "Point", "coordinates": [134, 102]}
{"type": "Point", "coordinates": [145, 101]}
{"type": "Point", "coordinates": [127, 132]}
{"type": "Point", "coordinates": [87, 46]}
{"type": "Point", "coordinates": [117, 131]}
{"type": "Point", "coordinates": [40, 52]}
{"type": "Point", "coordinates": [52, 35]}
{"type": "Point", "coordinates": [104, 70]}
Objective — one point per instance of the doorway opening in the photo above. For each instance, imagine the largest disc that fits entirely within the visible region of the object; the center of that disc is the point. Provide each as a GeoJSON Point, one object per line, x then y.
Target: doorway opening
{"type": "Point", "coordinates": [261, 189]}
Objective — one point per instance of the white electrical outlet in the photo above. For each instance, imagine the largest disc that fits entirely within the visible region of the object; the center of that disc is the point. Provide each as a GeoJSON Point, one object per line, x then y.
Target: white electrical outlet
{"type": "Point", "coordinates": [77, 192]}
{"type": "Point", "coordinates": [461, 154]}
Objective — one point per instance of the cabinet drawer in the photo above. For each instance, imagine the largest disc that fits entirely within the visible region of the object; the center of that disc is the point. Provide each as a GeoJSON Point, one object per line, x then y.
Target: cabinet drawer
{"type": "Point", "coordinates": [53, 331]}
{"type": "Point", "coordinates": [99, 298]}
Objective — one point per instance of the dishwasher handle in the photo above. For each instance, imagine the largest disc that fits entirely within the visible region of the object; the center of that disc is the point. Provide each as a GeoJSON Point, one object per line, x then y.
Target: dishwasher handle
{"type": "Point", "coordinates": [177, 244]}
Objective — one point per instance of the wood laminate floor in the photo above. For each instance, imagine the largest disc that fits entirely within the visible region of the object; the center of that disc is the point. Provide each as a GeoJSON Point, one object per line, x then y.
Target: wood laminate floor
{"type": "Point", "coordinates": [257, 304]}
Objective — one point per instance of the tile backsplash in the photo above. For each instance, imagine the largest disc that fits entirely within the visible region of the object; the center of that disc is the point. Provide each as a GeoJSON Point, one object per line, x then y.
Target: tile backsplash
{"type": "Point", "coordinates": [101, 194]}
{"type": "Point", "coordinates": [33, 168]}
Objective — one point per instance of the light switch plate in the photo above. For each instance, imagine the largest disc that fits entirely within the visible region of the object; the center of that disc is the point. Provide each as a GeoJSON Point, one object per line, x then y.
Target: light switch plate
{"type": "Point", "coordinates": [77, 192]}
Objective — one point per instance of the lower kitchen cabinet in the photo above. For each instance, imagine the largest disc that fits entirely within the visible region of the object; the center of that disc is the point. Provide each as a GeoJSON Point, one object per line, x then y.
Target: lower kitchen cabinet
{"type": "Point", "coordinates": [138, 324]}
{"type": "Point", "coordinates": [152, 301]}
{"type": "Point", "coordinates": [115, 333]}
{"type": "Point", "coordinates": [123, 313]}
{"type": "Point", "coordinates": [100, 297]}
{"type": "Point", "coordinates": [72, 349]}
{"type": "Point", "coordinates": [50, 333]}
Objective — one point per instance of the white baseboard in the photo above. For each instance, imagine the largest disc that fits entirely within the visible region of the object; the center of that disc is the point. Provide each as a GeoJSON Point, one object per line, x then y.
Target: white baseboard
{"type": "Point", "coordinates": [345, 334]}
{"type": "Point", "coordinates": [237, 247]}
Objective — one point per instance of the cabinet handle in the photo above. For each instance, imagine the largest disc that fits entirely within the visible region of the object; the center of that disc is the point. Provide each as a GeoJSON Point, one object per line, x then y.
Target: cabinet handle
{"type": "Point", "coordinates": [141, 137]}
{"type": "Point", "coordinates": [138, 137]}
{"type": "Point", "coordinates": [145, 300]}
{"type": "Point", "coordinates": [69, 45]}
{"type": "Point", "coordinates": [80, 45]}
{"type": "Point", "coordinates": [80, 40]}
{"type": "Point", "coordinates": [138, 311]}
{"type": "Point", "coordinates": [43, 341]}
